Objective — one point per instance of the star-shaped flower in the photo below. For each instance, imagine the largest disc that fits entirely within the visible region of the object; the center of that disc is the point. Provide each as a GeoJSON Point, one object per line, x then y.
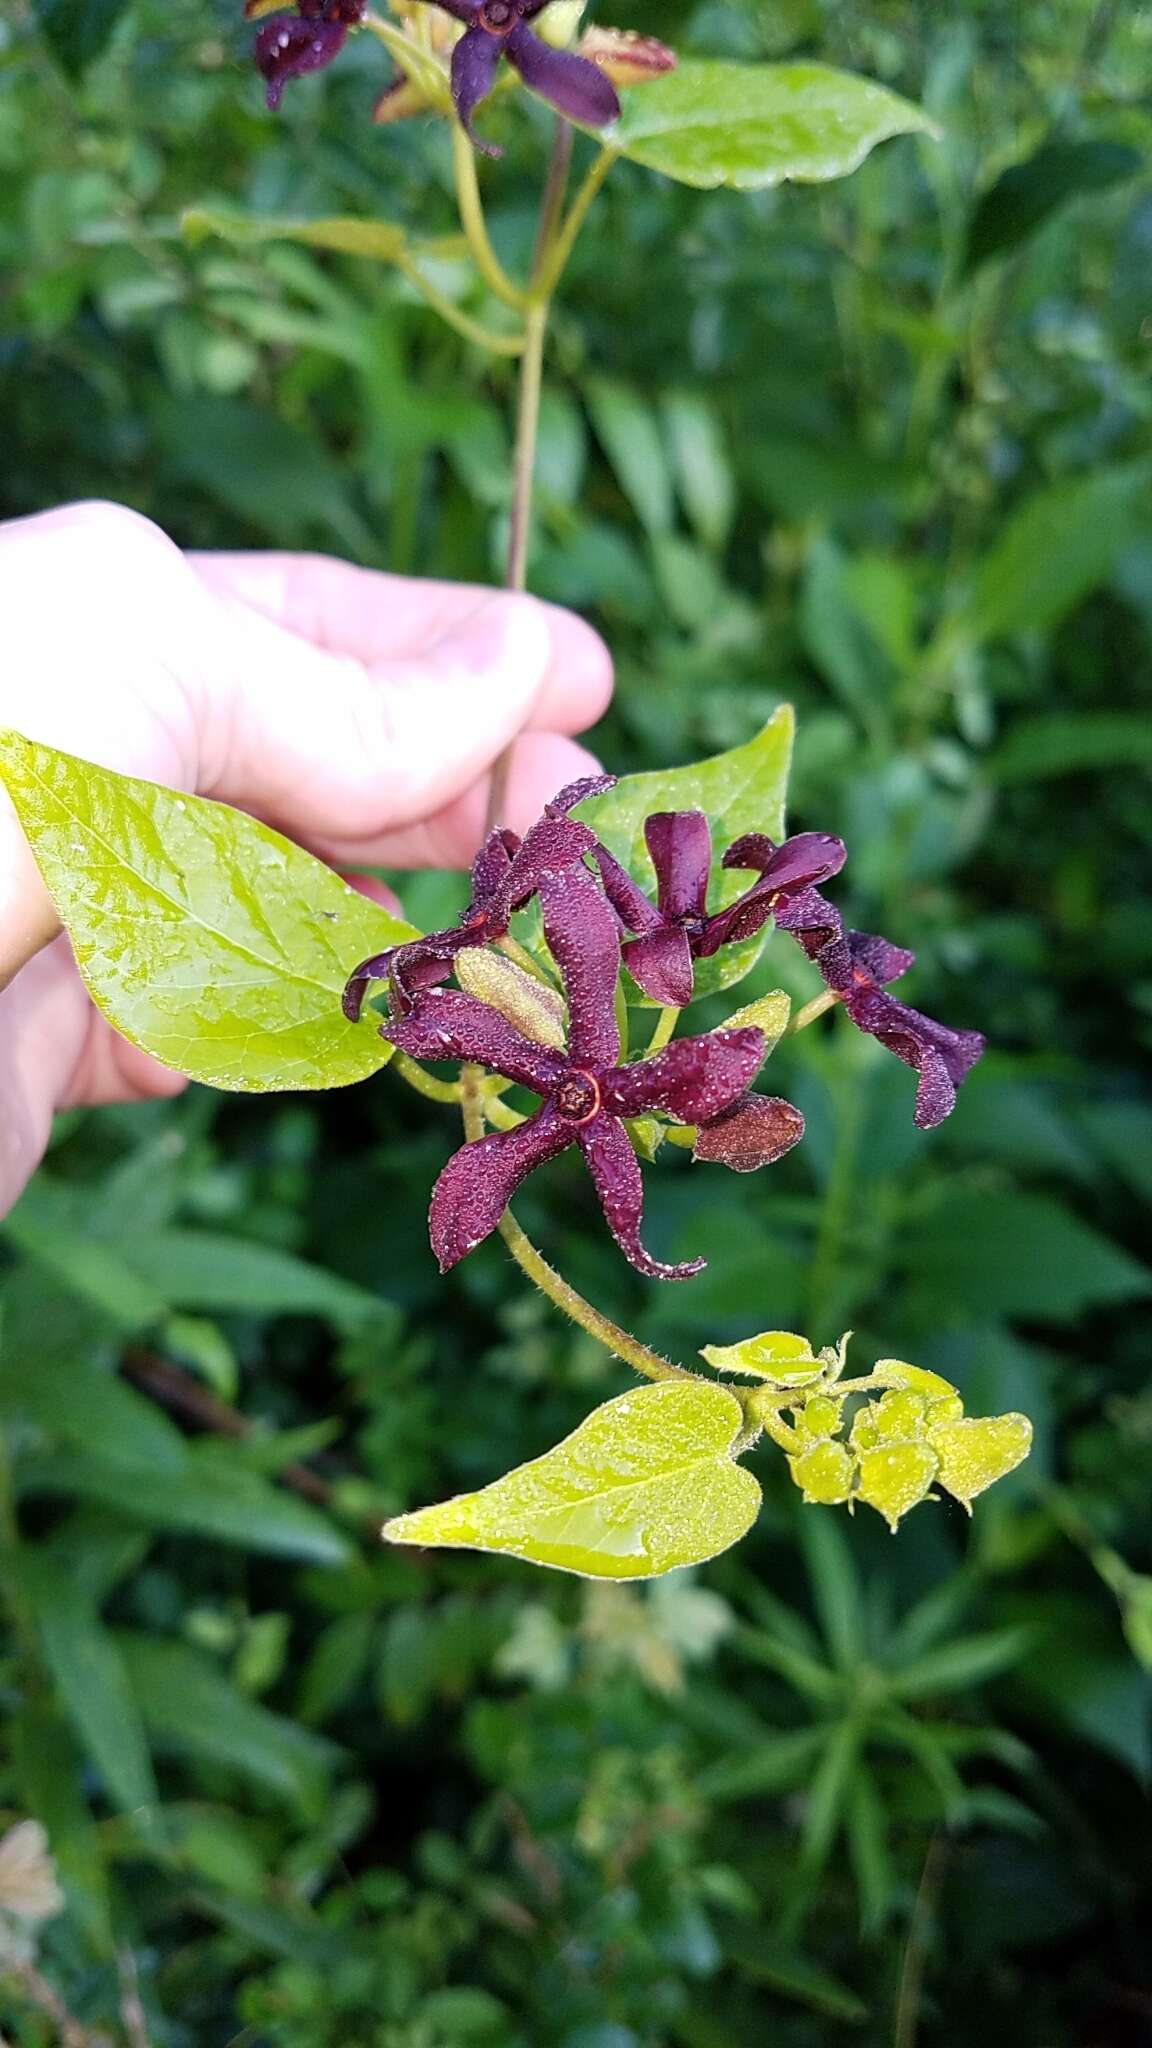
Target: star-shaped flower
{"type": "Point", "coordinates": [499, 28]}
{"type": "Point", "coordinates": [505, 875]}
{"type": "Point", "coordinates": [856, 965]}
{"type": "Point", "coordinates": [677, 928]}
{"type": "Point", "coordinates": [585, 1092]}
{"type": "Point", "coordinates": [290, 45]}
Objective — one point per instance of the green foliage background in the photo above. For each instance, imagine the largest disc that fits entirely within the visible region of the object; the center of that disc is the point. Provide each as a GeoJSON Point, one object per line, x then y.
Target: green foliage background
{"type": "Point", "coordinates": [880, 449]}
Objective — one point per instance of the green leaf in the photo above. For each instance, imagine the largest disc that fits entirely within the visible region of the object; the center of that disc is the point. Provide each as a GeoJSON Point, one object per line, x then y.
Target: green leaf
{"type": "Point", "coordinates": [204, 1269]}
{"type": "Point", "coordinates": [1056, 547]}
{"type": "Point", "coordinates": [836, 1588]}
{"type": "Point", "coordinates": [647, 1483]}
{"type": "Point", "coordinates": [91, 1409]}
{"type": "Point", "coordinates": [1026, 195]}
{"type": "Point", "coordinates": [189, 1706]}
{"type": "Point", "coordinates": [216, 1495]}
{"type": "Point", "coordinates": [702, 468]}
{"type": "Point", "coordinates": [711, 123]}
{"type": "Point", "coordinates": [626, 426]}
{"type": "Point", "coordinates": [40, 1225]}
{"type": "Point", "coordinates": [47, 1774]}
{"type": "Point", "coordinates": [1056, 744]}
{"type": "Point", "coordinates": [91, 1682]}
{"type": "Point", "coordinates": [743, 790]}
{"type": "Point", "coordinates": [77, 30]}
{"type": "Point", "coordinates": [1018, 1254]}
{"type": "Point", "coordinates": [969, 1660]}
{"type": "Point", "coordinates": [207, 939]}
{"type": "Point", "coordinates": [768, 1960]}
{"type": "Point", "coordinates": [375, 238]}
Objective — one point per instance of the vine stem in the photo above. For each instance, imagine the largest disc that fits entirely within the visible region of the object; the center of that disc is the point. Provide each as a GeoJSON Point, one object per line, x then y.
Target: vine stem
{"type": "Point", "coordinates": [532, 1263]}
{"type": "Point", "coordinates": [472, 221]}
{"type": "Point", "coordinates": [818, 1007]}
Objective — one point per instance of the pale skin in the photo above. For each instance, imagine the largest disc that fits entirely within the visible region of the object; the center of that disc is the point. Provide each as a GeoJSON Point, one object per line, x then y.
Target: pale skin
{"type": "Point", "coordinates": [360, 713]}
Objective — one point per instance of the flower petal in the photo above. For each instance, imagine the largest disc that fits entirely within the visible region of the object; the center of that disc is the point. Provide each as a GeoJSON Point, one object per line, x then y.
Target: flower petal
{"type": "Point", "coordinates": [551, 845]}
{"type": "Point", "coordinates": [491, 867]}
{"type": "Point", "coordinates": [627, 898]}
{"type": "Point", "coordinates": [288, 47]}
{"type": "Point", "coordinates": [569, 83]}
{"type": "Point", "coordinates": [581, 932]}
{"type": "Point", "coordinates": [693, 1079]}
{"type": "Point", "coordinates": [480, 1180]}
{"type": "Point", "coordinates": [755, 1132]}
{"type": "Point", "coordinates": [445, 1024]}
{"type": "Point", "coordinates": [474, 62]}
{"type": "Point", "coordinates": [941, 1056]}
{"type": "Point", "coordinates": [805, 858]}
{"type": "Point", "coordinates": [680, 845]}
{"type": "Point", "coordinates": [574, 793]}
{"type": "Point", "coordinates": [661, 964]}
{"type": "Point", "coordinates": [878, 957]}
{"type": "Point", "coordinates": [418, 964]}
{"type": "Point", "coordinates": [615, 1171]}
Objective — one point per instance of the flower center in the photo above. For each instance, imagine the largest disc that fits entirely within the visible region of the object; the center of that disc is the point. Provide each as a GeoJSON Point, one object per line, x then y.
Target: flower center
{"type": "Point", "coordinates": [578, 1097]}
{"type": "Point", "coordinates": [498, 16]}
{"type": "Point", "coordinates": [691, 923]}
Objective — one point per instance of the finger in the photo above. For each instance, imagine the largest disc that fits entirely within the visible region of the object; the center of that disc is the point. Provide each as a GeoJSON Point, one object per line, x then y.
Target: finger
{"type": "Point", "coordinates": [376, 617]}
{"type": "Point", "coordinates": [344, 754]}
{"type": "Point", "coordinates": [541, 764]}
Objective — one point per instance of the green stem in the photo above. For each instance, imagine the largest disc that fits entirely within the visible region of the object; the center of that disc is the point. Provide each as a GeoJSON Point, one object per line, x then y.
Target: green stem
{"type": "Point", "coordinates": [556, 263]}
{"type": "Point", "coordinates": [818, 1007]}
{"type": "Point", "coordinates": [555, 186]}
{"type": "Point", "coordinates": [472, 330]}
{"type": "Point", "coordinates": [545, 1277]}
{"type": "Point", "coordinates": [472, 220]}
{"type": "Point", "coordinates": [665, 1026]}
{"type": "Point", "coordinates": [520, 508]}
{"type": "Point", "coordinates": [424, 1083]}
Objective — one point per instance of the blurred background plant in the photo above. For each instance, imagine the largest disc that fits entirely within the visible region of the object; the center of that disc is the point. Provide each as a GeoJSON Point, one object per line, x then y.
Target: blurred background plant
{"type": "Point", "coordinates": [882, 450]}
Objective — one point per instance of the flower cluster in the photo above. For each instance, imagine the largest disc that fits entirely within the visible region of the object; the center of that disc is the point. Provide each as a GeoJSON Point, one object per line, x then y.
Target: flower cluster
{"type": "Point", "coordinates": [577, 83]}
{"type": "Point", "coordinates": [568, 1051]}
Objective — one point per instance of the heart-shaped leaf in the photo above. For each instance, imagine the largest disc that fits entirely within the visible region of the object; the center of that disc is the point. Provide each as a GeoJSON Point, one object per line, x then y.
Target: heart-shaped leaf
{"type": "Point", "coordinates": [647, 1483]}
{"type": "Point", "coordinates": [895, 1477]}
{"type": "Point", "coordinates": [743, 790]}
{"type": "Point", "coordinates": [711, 122]}
{"type": "Point", "coordinates": [205, 938]}
{"type": "Point", "coordinates": [977, 1450]}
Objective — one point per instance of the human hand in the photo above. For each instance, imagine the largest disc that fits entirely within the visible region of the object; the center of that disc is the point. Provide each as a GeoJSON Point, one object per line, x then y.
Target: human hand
{"type": "Point", "coordinates": [360, 713]}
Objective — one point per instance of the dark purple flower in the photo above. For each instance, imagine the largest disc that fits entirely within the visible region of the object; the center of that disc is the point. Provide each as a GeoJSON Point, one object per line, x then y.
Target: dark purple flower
{"type": "Point", "coordinates": [290, 45]}
{"type": "Point", "coordinates": [499, 28]}
{"type": "Point", "coordinates": [585, 1092]}
{"type": "Point", "coordinates": [505, 875]}
{"type": "Point", "coordinates": [677, 928]}
{"type": "Point", "coordinates": [856, 965]}
{"type": "Point", "coordinates": [755, 1132]}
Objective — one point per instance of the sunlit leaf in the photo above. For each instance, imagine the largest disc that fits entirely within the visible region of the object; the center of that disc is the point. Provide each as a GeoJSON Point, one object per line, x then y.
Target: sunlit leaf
{"type": "Point", "coordinates": [711, 122]}
{"type": "Point", "coordinates": [208, 939]}
{"type": "Point", "coordinates": [977, 1450]}
{"type": "Point", "coordinates": [743, 790]}
{"type": "Point", "coordinates": [895, 1477]}
{"type": "Point", "coordinates": [777, 1355]}
{"type": "Point", "coordinates": [645, 1484]}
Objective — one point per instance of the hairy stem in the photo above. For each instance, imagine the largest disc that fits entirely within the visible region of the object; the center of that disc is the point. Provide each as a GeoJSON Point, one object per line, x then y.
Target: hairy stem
{"type": "Point", "coordinates": [531, 1262]}
{"type": "Point", "coordinates": [665, 1026]}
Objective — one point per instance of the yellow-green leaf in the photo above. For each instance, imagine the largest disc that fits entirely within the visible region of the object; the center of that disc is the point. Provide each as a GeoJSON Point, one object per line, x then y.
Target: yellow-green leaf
{"type": "Point", "coordinates": [743, 790]}
{"type": "Point", "coordinates": [976, 1451]}
{"type": "Point", "coordinates": [379, 239]}
{"type": "Point", "coordinates": [895, 1477]}
{"type": "Point", "coordinates": [712, 122]}
{"type": "Point", "coordinates": [894, 1372]}
{"type": "Point", "coordinates": [776, 1355]}
{"type": "Point", "coordinates": [647, 1483]}
{"type": "Point", "coordinates": [824, 1473]}
{"type": "Point", "coordinates": [768, 1014]}
{"type": "Point", "coordinates": [207, 939]}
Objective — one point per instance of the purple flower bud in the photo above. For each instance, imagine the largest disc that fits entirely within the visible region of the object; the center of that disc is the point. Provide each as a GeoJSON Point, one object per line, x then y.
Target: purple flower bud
{"type": "Point", "coordinates": [290, 45]}
{"type": "Point", "coordinates": [497, 29]}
